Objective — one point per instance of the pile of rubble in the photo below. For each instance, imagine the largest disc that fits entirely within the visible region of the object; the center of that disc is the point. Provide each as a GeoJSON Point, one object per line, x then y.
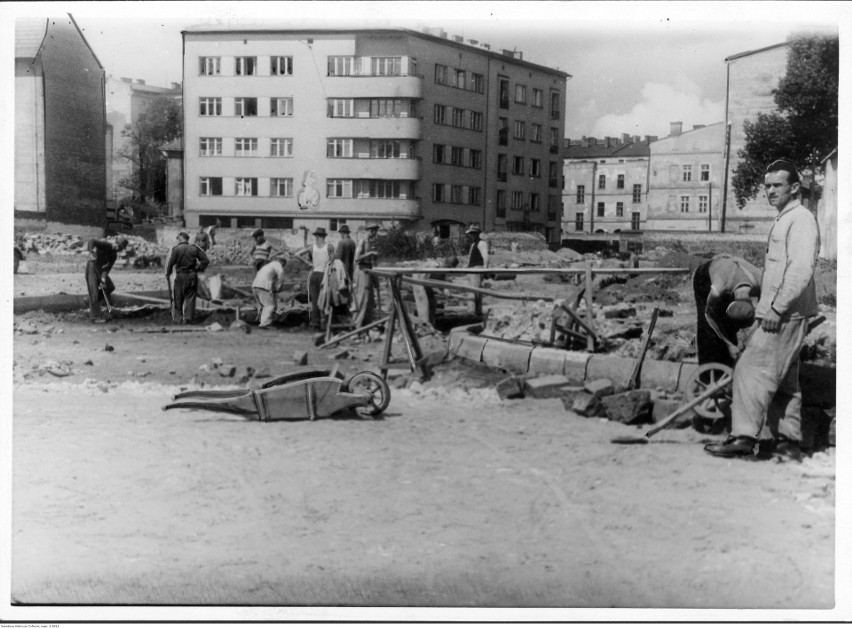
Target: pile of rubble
{"type": "Point", "coordinates": [67, 244]}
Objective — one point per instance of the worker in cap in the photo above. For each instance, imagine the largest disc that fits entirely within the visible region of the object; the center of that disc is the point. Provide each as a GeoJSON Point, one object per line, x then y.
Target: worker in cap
{"type": "Point", "coordinates": [724, 287]}
{"type": "Point", "coordinates": [318, 256]}
{"type": "Point", "coordinates": [367, 294]}
{"type": "Point", "coordinates": [345, 251]}
{"type": "Point", "coordinates": [261, 251]}
{"type": "Point", "coordinates": [267, 284]}
{"type": "Point", "coordinates": [102, 257]}
{"type": "Point", "coordinates": [186, 260]}
{"type": "Point", "coordinates": [477, 257]}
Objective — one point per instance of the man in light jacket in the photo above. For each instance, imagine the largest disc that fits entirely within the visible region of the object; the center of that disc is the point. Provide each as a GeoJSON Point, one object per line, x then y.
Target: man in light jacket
{"type": "Point", "coordinates": [767, 402]}
{"type": "Point", "coordinates": [267, 284]}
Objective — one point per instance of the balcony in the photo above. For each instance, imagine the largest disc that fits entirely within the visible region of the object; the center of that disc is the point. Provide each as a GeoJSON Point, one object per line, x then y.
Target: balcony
{"type": "Point", "coordinates": [366, 168]}
{"type": "Point", "coordinates": [367, 208]}
{"type": "Point", "coordinates": [375, 86]}
{"type": "Point", "coordinates": [391, 128]}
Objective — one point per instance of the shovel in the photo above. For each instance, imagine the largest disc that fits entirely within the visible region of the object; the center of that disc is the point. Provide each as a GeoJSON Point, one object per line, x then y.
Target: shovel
{"type": "Point", "coordinates": [106, 299]}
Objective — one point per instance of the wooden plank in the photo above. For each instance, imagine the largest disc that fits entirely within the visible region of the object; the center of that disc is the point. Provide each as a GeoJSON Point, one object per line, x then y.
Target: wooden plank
{"type": "Point", "coordinates": [393, 270]}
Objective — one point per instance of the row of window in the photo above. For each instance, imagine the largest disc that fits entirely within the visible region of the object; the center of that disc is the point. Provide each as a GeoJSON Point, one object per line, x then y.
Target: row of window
{"type": "Point", "coordinates": [637, 189]}
{"type": "Point", "coordinates": [246, 147]}
{"type": "Point", "coordinates": [337, 107]}
{"type": "Point", "coordinates": [519, 201]}
{"type": "Point", "coordinates": [457, 194]}
{"type": "Point", "coordinates": [521, 97]}
{"type": "Point", "coordinates": [461, 79]}
{"type": "Point", "coordinates": [519, 132]}
{"type": "Point", "coordinates": [703, 204]}
{"type": "Point", "coordinates": [283, 186]}
{"type": "Point", "coordinates": [283, 66]}
{"type": "Point", "coordinates": [704, 173]}
{"type": "Point", "coordinates": [456, 156]}
{"type": "Point", "coordinates": [635, 220]}
{"type": "Point", "coordinates": [457, 117]}
{"type": "Point", "coordinates": [518, 163]}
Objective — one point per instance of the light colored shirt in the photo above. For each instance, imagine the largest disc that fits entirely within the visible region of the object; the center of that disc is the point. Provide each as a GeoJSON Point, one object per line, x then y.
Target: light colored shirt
{"type": "Point", "coordinates": [320, 256]}
{"type": "Point", "coordinates": [270, 277]}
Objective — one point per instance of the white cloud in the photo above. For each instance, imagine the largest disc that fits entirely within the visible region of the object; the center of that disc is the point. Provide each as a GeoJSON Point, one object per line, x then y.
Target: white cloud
{"type": "Point", "coordinates": [662, 103]}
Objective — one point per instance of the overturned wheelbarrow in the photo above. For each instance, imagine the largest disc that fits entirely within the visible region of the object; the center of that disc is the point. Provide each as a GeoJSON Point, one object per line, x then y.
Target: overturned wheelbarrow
{"type": "Point", "coordinates": [306, 394]}
{"type": "Point", "coordinates": [713, 413]}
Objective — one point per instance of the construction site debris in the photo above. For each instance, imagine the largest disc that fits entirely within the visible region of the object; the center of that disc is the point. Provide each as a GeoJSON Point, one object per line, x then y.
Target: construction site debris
{"type": "Point", "coordinates": [545, 387]}
{"type": "Point", "coordinates": [300, 358]}
{"type": "Point", "coordinates": [586, 404]}
{"type": "Point", "coordinates": [227, 370]}
{"type": "Point", "coordinates": [600, 387]}
{"type": "Point", "coordinates": [109, 347]}
{"type": "Point", "coordinates": [510, 388]}
{"type": "Point", "coordinates": [630, 407]}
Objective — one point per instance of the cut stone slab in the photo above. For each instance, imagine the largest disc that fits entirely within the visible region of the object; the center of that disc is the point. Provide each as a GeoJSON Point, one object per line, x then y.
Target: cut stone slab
{"type": "Point", "coordinates": [300, 358]}
{"type": "Point", "coordinates": [511, 388]}
{"type": "Point", "coordinates": [568, 394]}
{"type": "Point", "coordinates": [514, 358]}
{"type": "Point", "coordinates": [600, 387]}
{"type": "Point", "coordinates": [631, 407]}
{"type": "Point", "coordinates": [545, 387]}
{"type": "Point", "coordinates": [586, 404]}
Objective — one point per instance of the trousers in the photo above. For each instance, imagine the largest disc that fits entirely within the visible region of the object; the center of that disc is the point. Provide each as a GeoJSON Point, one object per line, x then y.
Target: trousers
{"type": "Point", "coordinates": [268, 302]}
{"type": "Point", "coordinates": [314, 287]}
{"type": "Point", "coordinates": [767, 400]}
{"type": "Point", "coordinates": [185, 291]}
{"type": "Point", "coordinates": [93, 285]}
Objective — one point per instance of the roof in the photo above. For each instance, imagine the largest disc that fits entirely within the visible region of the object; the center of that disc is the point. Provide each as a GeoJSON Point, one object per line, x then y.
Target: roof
{"type": "Point", "coordinates": [29, 33]}
{"type": "Point", "coordinates": [266, 28]}
{"type": "Point", "coordinates": [629, 149]}
{"type": "Point", "coordinates": [701, 128]}
{"type": "Point", "coordinates": [754, 52]}
{"type": "Point", "coordinates": [174, 145]}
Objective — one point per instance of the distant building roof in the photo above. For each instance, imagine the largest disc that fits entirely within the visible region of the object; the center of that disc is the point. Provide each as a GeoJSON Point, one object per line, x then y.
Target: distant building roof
{"type": "Point", "coordinates": [595, 148]}
{"type": "Point", "coordinates": [29, 33]}
{"type": "Point", "coordinates": [754, 52]}
{"type": "Point", "coordinates": [174, 145]}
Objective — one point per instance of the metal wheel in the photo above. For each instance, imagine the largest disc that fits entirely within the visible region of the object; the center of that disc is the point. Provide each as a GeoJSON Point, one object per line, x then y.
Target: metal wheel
{"type": "Point", "coordinates": [369, 382]}
{"type": "Point", "coordinates": [705, 376]}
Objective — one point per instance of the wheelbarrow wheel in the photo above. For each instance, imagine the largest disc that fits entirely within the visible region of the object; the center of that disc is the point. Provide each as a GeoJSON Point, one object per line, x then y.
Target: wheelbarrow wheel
{"type": "Point", "coordinates": [713, 414]}
{"type": "Point", "coordinates": [369, 382]}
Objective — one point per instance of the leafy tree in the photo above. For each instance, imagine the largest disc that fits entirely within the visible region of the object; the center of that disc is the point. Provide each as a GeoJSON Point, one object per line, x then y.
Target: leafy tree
{"type": "Point", "coordinates": [160, 123]}
{"type": "Point", "coordinates": [804, 128]}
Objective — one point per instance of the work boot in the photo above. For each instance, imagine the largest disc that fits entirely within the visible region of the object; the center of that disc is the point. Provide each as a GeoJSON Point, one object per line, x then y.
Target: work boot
{"type": "Point", "coordinates": [733, 447]}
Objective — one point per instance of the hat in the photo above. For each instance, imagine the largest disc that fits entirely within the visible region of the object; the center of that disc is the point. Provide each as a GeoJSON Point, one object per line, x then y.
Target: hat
{"type": "Point", "coordinates": [740, 310]}
{"type": "Point", "coordinates": [343, 229]}
{"type": "Point", "coordinates": [320, 231]}
{"type": "Point", "coordinates": [121, 241]}
{"type": "Point", "coordinates": [474, 228]}
{"type": "Point", "coordinates": [373, 225]}
{"type": "Point", "coordinates": [257, 233]}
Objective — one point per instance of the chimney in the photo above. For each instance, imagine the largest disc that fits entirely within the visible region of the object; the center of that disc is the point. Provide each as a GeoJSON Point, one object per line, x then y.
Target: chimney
{"type": "Point", "coordinates": [458, 38]}
{"type": "Point", "coordinates": [486, 46]}
{"type": "Point", "coordinates": [473, 42]}
{"type": "Point", "coordinates": [124, 79]}
{"type": "Point", "coordinates": [695, 127]}
{"type": "Point", "coordinates": [635, 139]}
{"type": "Point", "coordinates": [676, 128]}
{"type": "Point", "coordinates": [140, 82]}
{"type": "Point", "coordinates": [175, 85]}
{"type": "Point", "coordinates": [607, 141]}
{"type": "Point", "coordinates": [509, 53]}
{"type": "Point", "coordinates": [625, 138]}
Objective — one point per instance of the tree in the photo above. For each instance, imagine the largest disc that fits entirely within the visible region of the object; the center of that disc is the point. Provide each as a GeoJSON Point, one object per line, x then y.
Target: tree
{"type": "Point", "coordinates": [804, 128]}
{"type": "Point", "coordinates": [160, 123]}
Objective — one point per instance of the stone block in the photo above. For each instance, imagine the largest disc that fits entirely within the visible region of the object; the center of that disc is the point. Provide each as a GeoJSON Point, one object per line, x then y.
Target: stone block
{"type": "Point", "coordinates": [340, 355]}
{"type": "Point", "coordinates": [546, 361]}
{"type": "Point", "coordinates": [300, 358]}
{"type": "Point", "coordinates": [469, 347]}
{"type": "Point", "coordinates": [600, 387]}
{"type": "Point", "coordinates": [568, 394]}
{"type": "Point", "coordinates": [227, 370]}
{"type": "Point", "coordinates": [545, 387]}
{"type": "Point", "coordinates": [611, 367]}
{"type": "Point", "coordinates": [660, 374]}
{"type": "Point", "coordinates": [586, 404]}
{"type": "Point", "coordinates": [575, 367]}
{"type": "Point", "coordinates": [514, 358]}
{"type": "Point", "coordinates": [620, 312]}
{"type": "Point", "coordinates": [511, 388]}
{"type": "Point", "coordinates": [631, 407]}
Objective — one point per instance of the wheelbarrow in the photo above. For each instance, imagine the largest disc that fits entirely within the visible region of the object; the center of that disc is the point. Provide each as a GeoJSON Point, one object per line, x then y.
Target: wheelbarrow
{"type": "Point", "coordinates": [305, 394]}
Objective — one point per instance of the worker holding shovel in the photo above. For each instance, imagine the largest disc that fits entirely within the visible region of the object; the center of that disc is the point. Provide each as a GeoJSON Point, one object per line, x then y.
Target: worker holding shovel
{"type": "Point", "coordinates": [102, 256]}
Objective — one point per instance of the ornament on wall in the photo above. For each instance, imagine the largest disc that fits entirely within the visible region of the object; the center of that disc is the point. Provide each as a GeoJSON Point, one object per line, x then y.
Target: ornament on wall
{"type": "Point", "coordinates": [308, 196]}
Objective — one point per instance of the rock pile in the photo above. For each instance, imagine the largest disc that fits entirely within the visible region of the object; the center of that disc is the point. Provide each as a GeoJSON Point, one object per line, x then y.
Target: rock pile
{"type": "Point", "coordinates": [67, 244]}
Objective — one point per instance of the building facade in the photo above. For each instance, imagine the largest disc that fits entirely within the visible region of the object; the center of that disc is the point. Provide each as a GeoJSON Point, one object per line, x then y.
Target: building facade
{"type": "Point", "coordinates": [686, 178]}
{"type": "Point", "coordinates": [288, 128]}
{"type": "Point", "coordinates": [60, 155]}
{"type": "Point", "coordinates": [752, 77]}
{"type": "Point", "coordinates": [126, 98]}
{"type": "Point", "coordinates": [606, 184]}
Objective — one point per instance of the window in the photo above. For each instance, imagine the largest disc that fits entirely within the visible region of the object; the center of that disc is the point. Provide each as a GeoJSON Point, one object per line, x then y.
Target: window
{"type": "Point", "coordinates": [211, 186]}
{"type": "Point", "coordinates": [517, 200]}
{"type": "Point", "coordinates": [281, 107]}
{"type": "Point", "coordinates": [441, 74]}
{"type": "Point", "coordinates": [380, 189]}
{"type": "Point", "coordinates": [581, 194]}
{"type": "Point", "coordinates": [535, 132]}
{"type": "Point", "coordinates": [281, 66]}
{"type": "Point", "coordinates": [209, 146]}
{"type": "Point", "coordinates": [439, 193]}
{"type": "Point", "coordinates": [705, 172]}
{"type": "Point", "coordinates": [244, 107]}
{"type": "Point", "coordinates": [335, 223]}
{"type": "Point", "coordinates": [619, 210]}
{"type": "Point", "coordinates": [337, 147]}
{"type": "Point", "coordinates": [520, 130]}
{"type": "Point", "coordinates": [554, 139]}
{"type": "Point", "coordinates": [687, 173]}
{"type": "Point", "coordinates": [637, 193]}
{"type": "Point", "coordinates": [473, 195]}
{"type": "Point", "coordinates": [554, 105]}
{"type": "Point", "coordinates": [386, 66]}
{"type": "Point", "coordinates": [619, 183]}
{"type": "Point", "coordinates": [474, 158]}
{"type": "Point", "coordinates": [458, 117]}
{"type": "Point", "coordinates": [475, 121]}
{"type": "Point", "coordinates": [537, 98]}
{"type": "Point", "coordinates": [601, 209]}
{"type": "Point", "coordinates": [535, 202]}
{"type": "Point", "coordinates": [517, 165]}
{"type": "Point", "coordinates": [477, 83]}
{"type": "Point", "coordinates": [535, 167]}
{"type": "Point", "coordinates": [281, 187]}
{"type": "Point", "coordinates": [460, 79]}
{"type": "Point", "coordinates": [245, 147]}
{"type": "Point", "coordinates": [245, 186]}
{"type": "Point", "coordinates": [601, 181]}
{"type": "Point", "coordinates": [702, 204]}
{"type": "Point", "coordinates": [504, 93]}
{"type": "Point", "coordinates": [341, 108]}
{"type": "Point", "coordinates": [339, 188]}
{"type": "Point", "coordinates": [456, 155]}
{"type": "Point", "coordinates": [684, 204]}
{"type": "Point", "coordinates": [385, 149]}
{"type": "Point", "coordinates": [438, 153]}
{"type": "Point", "coordinates": [456, 194]}
{"type": "Point", "coordinates": [634, 221]}
{"type": "Point", "coordinates": [503, 132]}
{"type": "Point", "coordinates": [521, 94]}
{"type": "Point", "coordinates": [208, 66]}
{"type": "Point", "coordinates": [341, 66]}
{"type": "Point", "coordinates": [210, 106]}
{"type": "Point", "coordinates": [578, 221]}
{"type": "Point", "coordinates": [245, 66]}
{"type": "Point", "coordinates": [502, 163]}
{"type": "Point", "coordinates": [281, 147]}
{"type": "Point", "coordinates": [389, 108]}
{"type": "Point", "coordinates": [553, 175]}
{"type": "Point", "coordinates": [501, 203]}
{"type": "Point", "coordinates": [440, 114]}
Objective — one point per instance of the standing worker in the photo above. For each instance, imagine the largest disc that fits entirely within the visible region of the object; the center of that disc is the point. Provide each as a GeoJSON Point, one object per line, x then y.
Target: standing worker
{"type": "Point", "coordinates": [319, 255]}
{"type": "Point", "coordinates": [345, 251]}
{"type": "Point", "coordinates": [261, 251]}
{"type": "Point", "coordinates": [723, 288]}
{"type": "Point", "coordinates": [266, 285]}
{"type": "Point", "coordinates": [187, 260]}
{"type": "Point", "coordinates": [366, 257]}
{"type": "Point", "coordinates": [202, 240]}
{"type": "Point", "coordinates": [210, 230]}
{"type": "Point", "coordinates": [102, 256]}
{"type": "Point", "coordinates": [477, 257]}
{"type": "Point", "coordinates": [767, 402]}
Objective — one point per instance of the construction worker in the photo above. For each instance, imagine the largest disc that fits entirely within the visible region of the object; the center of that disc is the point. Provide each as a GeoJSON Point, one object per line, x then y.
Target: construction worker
{"type": "Point", "coordinates": [202, 240]}
{"type": "Point", "coordinates": [261, 251]}
{"type": "Point", "coordinates": [267, 283]}
{"type": "Point", "coordinates": [477, 258]}
{"type": "Point", "coordinates": [318, 256]}
{"type": "Point", "coordinates": [102, 256]}
{"type": "Point", "coordinates": [345, 251]}
{"type": "Point", "coordinates": [724, 287]}
{"type": "Point", "coordinates": [187, 260]}
{"type": "Point", "coordinates": [366, 287]}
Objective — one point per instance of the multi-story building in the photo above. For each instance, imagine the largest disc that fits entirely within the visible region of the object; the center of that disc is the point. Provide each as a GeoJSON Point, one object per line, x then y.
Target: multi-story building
{"type": "Point", "coordinates": [606, 184]}
{"type": "Point", "coordinates": [686, 175]}
{"type": "Point", "coordinates": [126, 98]}
{"type": "Point", "coordinates": [752, 77]}
{"type": "Point", "coordinates": [60, 174]}
{"type": "Point", "coordinates": [289, 128]}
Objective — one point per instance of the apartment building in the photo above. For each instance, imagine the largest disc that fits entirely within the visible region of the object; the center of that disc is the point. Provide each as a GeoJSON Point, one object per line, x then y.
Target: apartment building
{"type": "Point", "coordinates": [606, 184]}
{"type": "Point", "coordinates": [287, 128]}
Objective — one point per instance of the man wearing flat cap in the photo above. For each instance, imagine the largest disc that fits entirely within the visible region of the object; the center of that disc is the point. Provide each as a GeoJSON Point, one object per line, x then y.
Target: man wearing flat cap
{"type": "Point", "coordinates": [345, 251]}
{"type": "Point", "coordinates": [366, 286]}
{"type": "Point", "coordinates": [319, 255]}
{"type": "Point", "coordinates": [767, 402]}
{"type": "Point", "coordinates": [477, 257]}
{"type": "Point", "coordinates": [187, 260]}
{"type": "Point", "coordinates": [102, 256]}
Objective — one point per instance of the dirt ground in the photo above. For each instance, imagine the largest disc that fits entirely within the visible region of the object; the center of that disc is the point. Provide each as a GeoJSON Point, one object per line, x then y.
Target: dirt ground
{"type": "Point", "coordinates": [453, 498]}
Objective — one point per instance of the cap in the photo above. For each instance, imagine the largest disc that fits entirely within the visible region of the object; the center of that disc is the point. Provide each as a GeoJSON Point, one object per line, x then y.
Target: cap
{"type": "Point", "coordinates": [373, 225]}
{"type": "Point", "coordinates": [474, 228]}
{"type": "Point", "coordinates": [257, 233]}
{"type": "Point", "coordinates": [121, 241]}
{"type": "Point", "coordinates": [320, 231]}
{"type": "Point", "coordinates": [343, 229]}
{"type": "Point", "coordinates": [740, 310]}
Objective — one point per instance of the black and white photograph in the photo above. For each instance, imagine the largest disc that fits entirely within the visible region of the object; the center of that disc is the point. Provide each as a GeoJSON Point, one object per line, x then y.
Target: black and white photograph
{"type": "Point", "coordinates": [425, 312]}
